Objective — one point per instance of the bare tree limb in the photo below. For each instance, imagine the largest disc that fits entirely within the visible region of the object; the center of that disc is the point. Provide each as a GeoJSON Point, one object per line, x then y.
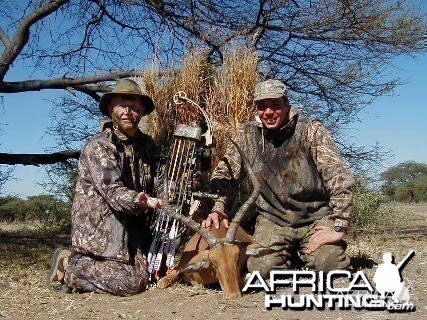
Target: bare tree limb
{"type": "Point", "coordinates": [184, 25]}
{"type": "Point", "coordinates": [22, 34]}
{"type": "Point", "coordinates": [35, 159]}
{"type": "Point", "coordinates": [91, 91]}
{"type": "Point", "coordinates": [4, 38]}
{"type": "Point", "coordinates": [258, 29]}
{"type": "Point", "coordinates": [60, 83]}
{"type": "Point", "coordinates": [112, 18]}
{"type": "Point", "coordinates": [66, 83]}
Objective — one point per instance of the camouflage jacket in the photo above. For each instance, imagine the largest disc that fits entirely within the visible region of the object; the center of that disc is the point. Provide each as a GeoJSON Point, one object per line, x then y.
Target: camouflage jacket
{"type": "Point", "coordinates": [305, 176]}
{"type": "Point", "coordinates": [107, 222]}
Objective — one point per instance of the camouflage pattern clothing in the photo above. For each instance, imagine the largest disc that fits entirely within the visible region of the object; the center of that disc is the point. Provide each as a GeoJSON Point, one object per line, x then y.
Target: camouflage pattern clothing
{"type": "Point", "coordinates": [288, 242]}
{"type": "Point", "coordinates": [303, 170]}
{"type": "Point", "coordinates": [110, 232]}
{"type": "Point", "coordinates": [86, 274]}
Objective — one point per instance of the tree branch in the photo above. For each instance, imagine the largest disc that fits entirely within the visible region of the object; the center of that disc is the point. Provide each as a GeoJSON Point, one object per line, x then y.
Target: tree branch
{"type": "Point", "coordinates": [91, 91]}
{"type": "Point", "coordinates": [256, 38]}
{"type": "Point", "coordinates": [112, 18]}
{"type": "Point", "coordinates": [35, 159]}
{"type": "Point", "coordinates": [4, 38]}
{"type": "Point", "coordinates": [22, 34]}
{"type": "Point", "coordinates": [159, 8]}
{"type": "Point", "coordinates": [75, 83]}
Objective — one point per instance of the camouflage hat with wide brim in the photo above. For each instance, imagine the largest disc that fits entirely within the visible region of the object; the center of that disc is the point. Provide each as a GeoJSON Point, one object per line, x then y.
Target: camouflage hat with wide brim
{"type": "Point", "coordinates": [269, 89]}
{"type": "Point", "coordinates": [126, 87]}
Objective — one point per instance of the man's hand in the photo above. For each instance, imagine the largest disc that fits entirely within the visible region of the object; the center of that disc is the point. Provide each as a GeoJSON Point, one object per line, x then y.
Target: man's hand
{"type": "Point", "coordinates": [323, 235]}
{"type": "Point", "coordinates": [147, 202]}
{"type": "Point", "coordinates": [215, 217]}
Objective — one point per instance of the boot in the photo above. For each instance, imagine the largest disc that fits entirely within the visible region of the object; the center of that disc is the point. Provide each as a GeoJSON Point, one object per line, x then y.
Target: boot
{"type": "Point", "coordinates": [58, 266]}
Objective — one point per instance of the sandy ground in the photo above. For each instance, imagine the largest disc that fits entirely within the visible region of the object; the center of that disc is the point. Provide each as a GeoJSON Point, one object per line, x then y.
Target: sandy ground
{"type": "Point", "coordinates": [25, 255]}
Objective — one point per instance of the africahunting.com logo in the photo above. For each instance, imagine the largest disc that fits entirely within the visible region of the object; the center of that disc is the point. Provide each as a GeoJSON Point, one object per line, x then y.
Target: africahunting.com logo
{"type": "Point", "coordinates": [391, 292]}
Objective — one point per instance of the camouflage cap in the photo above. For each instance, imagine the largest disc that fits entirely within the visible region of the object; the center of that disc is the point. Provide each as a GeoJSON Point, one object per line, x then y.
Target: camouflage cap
{"type": "Point", "coordinates": [126, 87]}
{"type": "Point", "coordinates": [269, 89]}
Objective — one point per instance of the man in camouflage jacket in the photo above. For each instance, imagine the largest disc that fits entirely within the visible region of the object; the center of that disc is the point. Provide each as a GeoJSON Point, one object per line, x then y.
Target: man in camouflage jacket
{"type": "Point", "coordinates": [308, 199]}
{"type": "Point", "coordinates": [109, 216]}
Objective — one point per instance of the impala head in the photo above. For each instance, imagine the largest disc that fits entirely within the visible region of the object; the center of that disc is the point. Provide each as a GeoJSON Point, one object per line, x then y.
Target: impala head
{"type": "Point", "coordinates": [227, 260]}
{"type": "Point", "coordinates": [224, 253]}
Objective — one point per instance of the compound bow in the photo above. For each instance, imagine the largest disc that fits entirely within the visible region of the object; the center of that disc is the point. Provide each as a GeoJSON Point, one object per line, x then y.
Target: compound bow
{"type": "Point", "coordinates": [189, 147]}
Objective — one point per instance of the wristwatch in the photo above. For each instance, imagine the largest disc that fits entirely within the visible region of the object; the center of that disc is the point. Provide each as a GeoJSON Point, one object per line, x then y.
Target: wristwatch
{"type": "Point", "coordinates": [340, 229]}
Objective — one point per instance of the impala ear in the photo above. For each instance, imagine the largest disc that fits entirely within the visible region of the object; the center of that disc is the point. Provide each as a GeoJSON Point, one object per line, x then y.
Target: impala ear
{"type": "Point", "coordinates": [257, 250]}
{"type": "Point", "coordinates": [193, 267]}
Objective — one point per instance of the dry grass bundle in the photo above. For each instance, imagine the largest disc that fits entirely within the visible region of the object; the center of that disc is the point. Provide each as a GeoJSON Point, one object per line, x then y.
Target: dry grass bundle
{"type": "Point", "coordinates": [230, 97]}
{"type": "Point", "coordinates": [161, 90]}
{"type": "Point", "coordinates": [193, 78]}
{"type": "Point", "coordinates": [229, 101]}
{"type": "Point", "coordinates": [225, 93]}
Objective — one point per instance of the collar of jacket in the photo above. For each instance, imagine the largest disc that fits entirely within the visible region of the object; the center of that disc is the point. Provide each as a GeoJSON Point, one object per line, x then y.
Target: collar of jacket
{"type": "Point", "coordinates": [278, 136]}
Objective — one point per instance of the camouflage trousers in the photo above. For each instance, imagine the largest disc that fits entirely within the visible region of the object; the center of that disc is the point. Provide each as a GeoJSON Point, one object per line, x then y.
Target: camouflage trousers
{"type": "Point", "coordinates": [289, 243]}
{"type": "Point", "coordinates": [84, 274]}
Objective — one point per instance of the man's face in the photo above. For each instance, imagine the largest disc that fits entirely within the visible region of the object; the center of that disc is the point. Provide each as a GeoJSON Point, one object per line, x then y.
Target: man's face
{"type": "Point", "coordinates": [126, 112]}
{"type": "Point", "coordinates": [272, 112]}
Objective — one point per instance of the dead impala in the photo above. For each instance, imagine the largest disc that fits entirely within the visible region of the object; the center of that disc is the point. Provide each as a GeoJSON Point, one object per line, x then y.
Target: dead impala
{"type": "Point", "coordinates": [217, 255]}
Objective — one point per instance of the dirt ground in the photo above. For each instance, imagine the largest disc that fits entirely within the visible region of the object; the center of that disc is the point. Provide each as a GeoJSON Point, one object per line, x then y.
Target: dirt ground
{"type": "Point", "coordinates": [25, 256]}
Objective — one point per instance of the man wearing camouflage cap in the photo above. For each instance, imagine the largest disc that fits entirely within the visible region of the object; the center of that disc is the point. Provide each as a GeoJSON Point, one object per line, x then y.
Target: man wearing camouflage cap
{"type": "Point", "coordinates": [309, 200]}
{"type": "Point", "coordinates": [112, 202]}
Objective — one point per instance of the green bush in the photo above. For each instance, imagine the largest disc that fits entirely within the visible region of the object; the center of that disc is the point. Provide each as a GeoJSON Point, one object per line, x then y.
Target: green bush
{"type": "Point", "coordinates": [46, 209]}
{"type": "Point", "coordinates": [12, 209]}
{"type": "Point", "coordinates": [420, 189]}
{"type": "Point", "coordinates": [406, 181]}
{"type": "Point", "coordinates": [49, 211]}
{"type": "Point", "coordinates": [366, 205]}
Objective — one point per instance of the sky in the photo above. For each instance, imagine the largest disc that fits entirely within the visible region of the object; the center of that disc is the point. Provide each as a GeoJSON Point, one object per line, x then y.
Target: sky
{"type": "Point", "coordinates": [399, 122]}
{"type": "Point", "coordinates": [396, 122]}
